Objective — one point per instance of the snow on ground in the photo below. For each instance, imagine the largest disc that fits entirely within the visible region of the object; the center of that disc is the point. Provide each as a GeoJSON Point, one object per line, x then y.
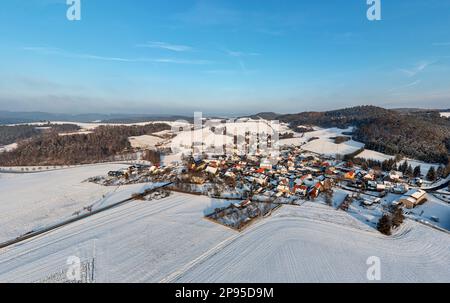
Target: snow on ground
{"type": "Point", "coordinates": [169, 241]}
{"type": "Point", "coordinates": [170, 159]}
{"type": "Point", "coordinates": [446, 114]}
{"type": "Point", "coordinates": [424, 167]}
{"type": "Point", "coordinates": [373, 155]}
{"type": "Point", "coordinates": [328, 148]}
{"type": "Point", "coordinates": [29, 201]}
{"type": "Point", "coordinates": [142, 241]}
{"type": "Point", "coordinates": [8, 148]}
{"type": "Point", "coordinates": [81, 132]}
{"type": "Point", "coordinates": [145, 141]}
{"type": "Point", "coordinates": [433, 208]}
{"type": "Point", "coordinates": [320, 141]}
{"type": "Point", "coordinates": [312, 244]}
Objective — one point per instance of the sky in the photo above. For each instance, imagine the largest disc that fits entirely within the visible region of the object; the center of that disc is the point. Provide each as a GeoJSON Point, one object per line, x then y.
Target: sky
{"type": "Point", "coordinates": [222, 57]}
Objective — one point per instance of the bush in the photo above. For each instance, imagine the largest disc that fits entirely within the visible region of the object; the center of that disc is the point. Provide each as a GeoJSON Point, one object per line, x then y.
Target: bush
{"type": "Point", "coordinates": [398, 217]}
{"type": "Point", "coordinates": [385, 225]}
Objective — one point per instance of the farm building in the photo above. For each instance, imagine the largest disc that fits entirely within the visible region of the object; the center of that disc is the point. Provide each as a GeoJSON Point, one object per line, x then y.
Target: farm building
{"type": "Point", "coordinates": [412, 198]}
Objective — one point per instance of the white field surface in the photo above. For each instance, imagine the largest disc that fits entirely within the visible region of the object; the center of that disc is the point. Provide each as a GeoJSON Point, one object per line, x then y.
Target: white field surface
{"type": "Point", "coordinates": [169, 241]}
{"type": "Point", "coordinates": [373, 155]}
{"type": "Point", "coordinates": [325, 145]}
{"type": "Point", "coordinates": [80, 132]}
{"type": "Point", "coordinates": [314, 243]}
{"type": "Point", "coordinates": [424, 167]}
{"type": "Point", "coordinates": [433, 208]}
{"type": "Point", "coordinates": [136, 242]}
{"type": "Point", "coordinates": [8, 148]}
{"type": "Point", "coordinates": [145, 141]}
{"type": "Point", "coordinates": [446, 114]}
{"type": "Point", "coordinates": [183, 140]}
{"type": "Point", "coordinates": [30, 201]}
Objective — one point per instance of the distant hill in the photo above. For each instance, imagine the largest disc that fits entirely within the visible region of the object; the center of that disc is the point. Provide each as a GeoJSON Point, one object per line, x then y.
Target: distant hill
{"type": "Point", "coordinates": [266, 116]}
{"type": "Point", "coordinates": [419, 134]}
{"type": "Point", "coordinates": [7, 117]}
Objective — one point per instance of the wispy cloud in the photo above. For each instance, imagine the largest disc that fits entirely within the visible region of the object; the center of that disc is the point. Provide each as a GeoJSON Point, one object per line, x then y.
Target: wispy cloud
{"type": "Point", "coordinates": [239, 54]}
{"type": "Point", "coordinates": [412, 84]}
{"type": "Point", "coordinates": [418, 68]}
{"type": "Point", "coordinates": [166, 46]}
{"type": "Point", "coordinates": [64, 53]}
{"type": "Point", "coordinates": [239, 57]}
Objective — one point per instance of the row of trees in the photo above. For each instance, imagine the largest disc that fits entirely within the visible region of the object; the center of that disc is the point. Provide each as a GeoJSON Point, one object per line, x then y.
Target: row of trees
{"type": "Point", "coordinates": [406, 168]}
{"type": "Point", "coordinates": [12, 134]}
{"type": "Point", "coordinates": [51, 149]}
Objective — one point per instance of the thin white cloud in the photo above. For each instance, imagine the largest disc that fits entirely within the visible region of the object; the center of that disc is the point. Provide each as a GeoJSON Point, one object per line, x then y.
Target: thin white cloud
{"type": "Point", "coordinates": [412, 84]}
{"type": "Point", "coordinates": [418, 68]}
{"type": "Point", "coordinates": [166, 46]}
{"type": "Point", "coordinates": [239, 57]}
{"type": "Point", "coordinates": [238, 54]}
{"type": "Point", "coordinates": [61, 52]}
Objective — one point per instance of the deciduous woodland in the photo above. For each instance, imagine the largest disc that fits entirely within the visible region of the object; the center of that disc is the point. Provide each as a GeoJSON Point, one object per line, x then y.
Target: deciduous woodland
{"type": "Point", "coordinates": [100, 145]}
{"type": "Point", "coordinates": [12, 134]}
{"type": "Point", "coordinates": [422, 135]}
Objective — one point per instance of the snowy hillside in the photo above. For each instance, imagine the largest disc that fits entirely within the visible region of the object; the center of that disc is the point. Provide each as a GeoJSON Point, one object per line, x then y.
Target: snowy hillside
{"type": "Point", "coordinates": [38, 199]}
{"type": "Point", "coordinates": [313, 244]}
{"type": "Point", "coordinates": [169, 241]}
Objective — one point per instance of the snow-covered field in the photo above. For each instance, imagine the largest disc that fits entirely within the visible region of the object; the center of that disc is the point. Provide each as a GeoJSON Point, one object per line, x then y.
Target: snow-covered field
{"type": "Point", "coordinates": [8, 148]}
{"type": "Point", "coordinates": [445, 114]}
{"type": "Point", "coordinates": [424, 167]}
{"type": "Point", "coordinates": [316, 244]}
{"type": "Point", "coordinates": [142, 241]}
{"type": "Point", "coordinates": [184, 139]}
{"type": "Point", "coordinates": [29, 201]}
{"type": "Point", "coordinates": [373, 155]}
{"type": "Point", "coordinates": [324, 143]}
{"type": "Point", "coordinates": [145, 141]}
{"type": "Point", "coordinates": [434, 208]}
{"type": "Point", "coordinates": [327, 147]}
{"type": "Point", "coordinates": [169, 241]}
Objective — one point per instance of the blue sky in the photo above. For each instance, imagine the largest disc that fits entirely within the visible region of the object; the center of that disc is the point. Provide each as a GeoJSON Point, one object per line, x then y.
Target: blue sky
{"type": "Point", "coordinates": [222, 57]}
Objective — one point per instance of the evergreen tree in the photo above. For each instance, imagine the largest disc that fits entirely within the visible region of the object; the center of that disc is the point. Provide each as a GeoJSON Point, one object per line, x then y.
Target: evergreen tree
{"type": "Point", "coordinates": [440, 171]}
{"type": "Point", "coordinates": [431, 175]}
{"type": "Point", "coordinates": [409, 171]}
{"type": "Point", "coordinates": [417, 171]}
{"type": "Point", "coordinates": [403, 167]}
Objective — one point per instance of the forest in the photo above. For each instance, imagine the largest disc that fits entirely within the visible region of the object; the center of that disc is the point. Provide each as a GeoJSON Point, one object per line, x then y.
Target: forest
{"type": "Point", "coordinates": [103, 143]}
{"type": "Point", "coordinates": [421, 134]}
{"type": "Point", "coordinates": [14, 133]}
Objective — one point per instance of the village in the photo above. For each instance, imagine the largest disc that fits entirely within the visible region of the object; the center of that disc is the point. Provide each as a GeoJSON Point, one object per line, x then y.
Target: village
{"type": "Point", "coordinates": [255, 186]}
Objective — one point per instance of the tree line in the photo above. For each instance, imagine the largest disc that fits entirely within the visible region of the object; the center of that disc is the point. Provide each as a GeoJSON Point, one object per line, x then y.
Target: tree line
{"type": "Point", "coordinates": [52, 149]}
{"type": "Point", "coordinates": [422, 135]}
{"type": "Point", "coordinates": [15, 133]}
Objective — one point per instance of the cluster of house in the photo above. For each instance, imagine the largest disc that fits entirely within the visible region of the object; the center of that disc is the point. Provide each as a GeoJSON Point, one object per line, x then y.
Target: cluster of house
{"type": "Point", "coordinates": [296, 173]}
{"type": "Point", "coordinates": [293, 173]}
{"type": "Point", "coordinates": [135, 174]}
{"type": "Point", "coordinates": [290, 175]}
